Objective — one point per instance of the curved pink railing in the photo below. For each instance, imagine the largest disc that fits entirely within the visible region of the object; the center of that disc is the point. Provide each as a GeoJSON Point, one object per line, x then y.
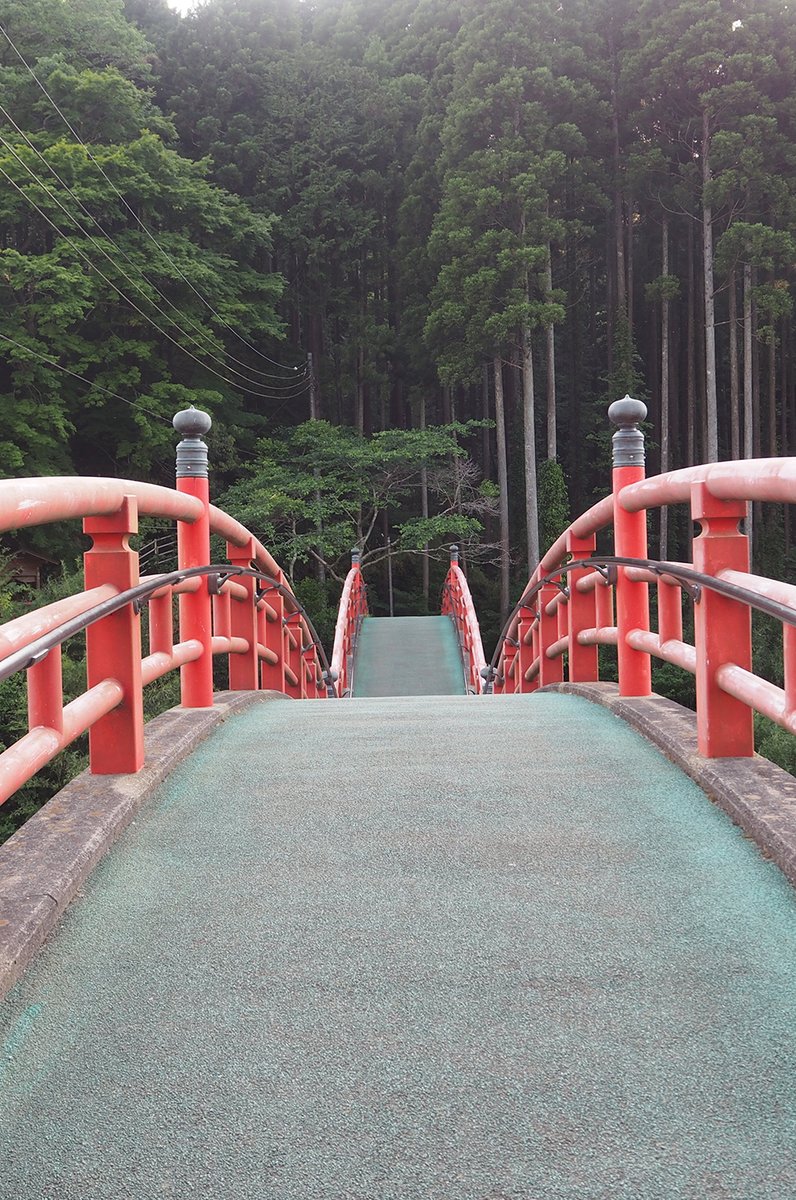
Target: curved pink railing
{"type": "Point", "coordinates": [574, 611]}
{"type": "Point", "coordinates": [252, 618]}
{"type": "Point", "coordinates": [457, 603]}
{"type": "Point", "coordinates": [351, 611]}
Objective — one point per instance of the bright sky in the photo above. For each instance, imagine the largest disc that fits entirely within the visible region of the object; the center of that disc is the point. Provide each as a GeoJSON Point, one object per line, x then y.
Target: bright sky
{"type": "Point", "coordinates": [182, 6]}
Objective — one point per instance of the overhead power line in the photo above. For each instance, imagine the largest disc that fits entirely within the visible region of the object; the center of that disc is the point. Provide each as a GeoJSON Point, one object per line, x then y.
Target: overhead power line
{"type": "Point", "coordinates": [120, 250]}
{"type": "Point", "coordinates": [53, 363]}
{"type": "Point", "coordinates": [132, 212]}
{"type": "Point", "coordinates": [280, 387]}
{"type": "Point", "coordinates": [164, 333]}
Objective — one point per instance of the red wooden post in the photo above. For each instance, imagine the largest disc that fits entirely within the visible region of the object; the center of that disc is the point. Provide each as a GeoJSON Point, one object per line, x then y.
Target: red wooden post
{"type": "Point", "coordinates": [723, 628]}
{"type": "Point", "coordinates": [272, 676]}
{"type": "Point", "coordinates": [46, 693]}
{"type": "Point", "coordinates": [510, 662]}
{"type": "Point", "coordinates": [604, 599]}
{"type": "Point", "coordinates": [789, 657]}
{"type": "Point", "coordinates": [293, 656]}
{"type": "Point", "coordinates": [630, 541]}
{"type": "Point", "coordinates": [161, 623]}
{"type": "Point", "coordinates": [193, 550]}
{"type": "Point", "coordinates": [551, 670]}
{"type": "Point", "coordinates": [670, 611]}
{"type": "Point", "coordinates": [113, 645]}
{"type": "Point", "coordinates": [244, 669]}
{"type": "Point", "coordinates": [262, 636]}
{"type": "Point", "coordinates": [525, 655]}
{"type": "Point", "coordinates": [582, 614]}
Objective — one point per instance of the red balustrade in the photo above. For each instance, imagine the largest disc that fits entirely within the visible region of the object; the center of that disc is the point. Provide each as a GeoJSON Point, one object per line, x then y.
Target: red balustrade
{"type": "Point", "coordinates": [261, 630]}
{"type": "Point", "coordinates": [353, 608]}
{"type": "Point", "coordinates": [457, 603]}
{"type": "Point", "coordinates": [568, 609]}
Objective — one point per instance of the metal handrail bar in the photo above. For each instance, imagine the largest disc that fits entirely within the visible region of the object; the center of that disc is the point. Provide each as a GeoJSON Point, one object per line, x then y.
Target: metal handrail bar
{"type": "Point", "coordinates": [38, 649]}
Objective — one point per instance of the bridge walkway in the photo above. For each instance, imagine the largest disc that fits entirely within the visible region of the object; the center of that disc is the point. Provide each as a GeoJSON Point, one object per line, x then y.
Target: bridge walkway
{"type": "Point", "coordinates": [413, 948]}
{"type": "Point", "coordinates": [408, 656]}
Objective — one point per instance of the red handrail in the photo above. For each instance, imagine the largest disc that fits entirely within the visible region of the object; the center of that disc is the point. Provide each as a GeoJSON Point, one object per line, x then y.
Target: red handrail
{"type": "Point", "coordinates": [264, 634]}
{"type": "Point", "coordinates": [572, 613]}
{"type": "Point", "coordinates": [457, 603]}
{"type": "Point", "coordinates": [352, 609]}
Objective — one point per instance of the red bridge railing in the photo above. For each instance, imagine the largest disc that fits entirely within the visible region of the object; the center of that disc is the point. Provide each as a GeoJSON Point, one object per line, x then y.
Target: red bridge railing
{"type": "Point", "coordinates": [567, 608]}
{"type": "Point", "coordinates": [353, 608]}
{"type": "Point", "coordinates": [457, 603]}
{"type": "Point", "coordinates": [244, 609]}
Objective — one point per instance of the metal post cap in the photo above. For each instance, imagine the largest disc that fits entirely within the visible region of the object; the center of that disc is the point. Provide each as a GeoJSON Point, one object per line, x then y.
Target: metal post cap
{"type": "Point", "coordinates": [628, 441]}
{"type": "Point", "coordinates": [627, 412]}
{"type": "Point", "coordinates": [356, 556]}
{"type": "Point", "coordinates": [191, 423]}
{"type": "Point", "coordinates": [454, 553]}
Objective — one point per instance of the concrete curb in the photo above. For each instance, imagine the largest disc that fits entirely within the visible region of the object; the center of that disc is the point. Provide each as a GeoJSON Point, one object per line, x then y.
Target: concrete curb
{"type": "Point", "coordinates": [48, 860]}
{"type": "Point", "coordinates": [758, 796]}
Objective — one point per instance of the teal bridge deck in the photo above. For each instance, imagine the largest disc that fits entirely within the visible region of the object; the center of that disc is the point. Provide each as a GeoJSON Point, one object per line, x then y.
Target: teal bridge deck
{"type": "Point", "coordinates": [442, 947]}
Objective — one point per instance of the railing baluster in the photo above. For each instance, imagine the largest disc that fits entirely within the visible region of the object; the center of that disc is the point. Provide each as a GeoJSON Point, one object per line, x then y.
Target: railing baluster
{"type": "Point", "coordinates": [113, 645]}
{"type": "Point", "coordinates": [244, 669]}
{"type": "Point", "coordinates": [723, 628]}
{"type": "Point", "coordinates": [582, 614]}
{"type": "Point", "coordinates": [46, 693]}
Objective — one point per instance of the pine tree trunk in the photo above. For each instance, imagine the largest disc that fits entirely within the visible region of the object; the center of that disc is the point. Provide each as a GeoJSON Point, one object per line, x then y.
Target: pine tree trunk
{"type": "Point", "coordinates": [424, 504]}
{"type": "Point", "coordinates": [550, 333]}
{"type": "Point", "coordinates": [529, 443]}
{"type": "Point", "coordinates": [772, 393]}
{"type": "Point", "coordinates": [665, 433]}
{"type": "Point", "coordinates": [630, 282]}
{"type": "Point", "coordinates": [711, 400]}
{"type": "Point", "coordinates": [503, 485]}
{"type": "Point", "coordinates": [735, 388]}
{"type": "Point", "coordinates": [691, 392]}
{"type": "Point", "coordinates": [486, 432]}
{"type": "Point", "coordinates": [359, 415]}
{"type": "Point", "coordinates": [757, 423]}
{"type": "Point", "coordinates": [619, 221]}
{"type": "Point", "coordinates": [748, 397]}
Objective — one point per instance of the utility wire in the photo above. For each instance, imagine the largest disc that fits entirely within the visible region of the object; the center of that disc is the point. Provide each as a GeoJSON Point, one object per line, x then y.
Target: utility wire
{"type": "Point", "coordinates": [281, 387]}
{"type": "Point", "coordinates": [132, 212]}
{"type": "Point", "coordinates": [164, 333]}
{"type": "Point", "coordinates": [95, 221]}
{"type": "Point", "coordinates": [99, 387]}
{"type": "Point", "coordinates": [53, 363]}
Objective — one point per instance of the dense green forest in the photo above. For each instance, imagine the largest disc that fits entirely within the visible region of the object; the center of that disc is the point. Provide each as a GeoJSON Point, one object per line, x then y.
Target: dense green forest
{"type": "Point", "coordinates": [372, 215]}
{"type": "Point", "coordinates": [405, 254]}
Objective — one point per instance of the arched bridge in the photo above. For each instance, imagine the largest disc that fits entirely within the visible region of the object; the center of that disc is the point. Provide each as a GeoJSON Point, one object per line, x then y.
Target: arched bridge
{"type": "Point", "coordinates": [404, 923]}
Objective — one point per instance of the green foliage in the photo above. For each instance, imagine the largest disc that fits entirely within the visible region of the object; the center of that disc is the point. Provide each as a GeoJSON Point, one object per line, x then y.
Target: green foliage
{"type": "Point", "coordinates": [775, 744]}
{"type": "Point", "coordinates": [320, 602]}
{"type": "Point", "coordinates": [319, 489]}
{"type": "Point", "coordinates": [554, 515]}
